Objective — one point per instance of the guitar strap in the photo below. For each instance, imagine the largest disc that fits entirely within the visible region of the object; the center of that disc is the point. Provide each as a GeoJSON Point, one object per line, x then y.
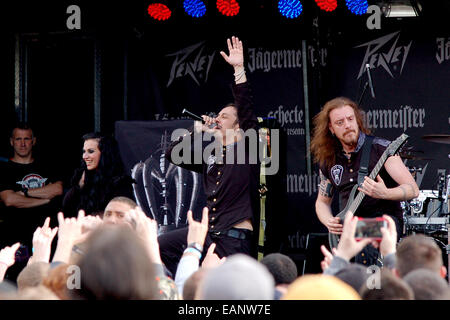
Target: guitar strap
{"type": "Point", "coordinates": [262, 193]}
{"type": "Point", "coordinates": [367, 254]}
{"type": "Point", "coordinates": [364, 164]}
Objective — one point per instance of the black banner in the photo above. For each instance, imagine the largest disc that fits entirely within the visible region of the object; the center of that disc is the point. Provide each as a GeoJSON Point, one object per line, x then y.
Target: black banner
{"type": "Point", "coordinates": [409, 76]}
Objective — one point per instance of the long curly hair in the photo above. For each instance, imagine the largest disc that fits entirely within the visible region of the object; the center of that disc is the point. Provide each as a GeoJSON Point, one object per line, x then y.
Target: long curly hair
{"type": "Point", "coordinates": [98, 183]}
{"type": "Point", "coordinates": [323, 143]}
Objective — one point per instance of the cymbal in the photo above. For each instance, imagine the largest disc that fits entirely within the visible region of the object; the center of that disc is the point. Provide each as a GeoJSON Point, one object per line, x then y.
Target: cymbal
{"type": "Point", "coordinates": [437, 138]}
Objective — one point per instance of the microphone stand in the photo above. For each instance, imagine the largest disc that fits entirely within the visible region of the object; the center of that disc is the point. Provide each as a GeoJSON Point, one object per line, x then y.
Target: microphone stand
{"type": "Point", "coordinates": [366, 84]}
{"type": "Point", "coordinates": [363, 92]}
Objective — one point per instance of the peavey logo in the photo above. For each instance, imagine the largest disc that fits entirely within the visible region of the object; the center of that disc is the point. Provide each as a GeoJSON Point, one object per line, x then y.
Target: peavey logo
{"type": "Point", "coordinates": [191, 61]}
{"type": "Point", "coordinates": [379, 53]}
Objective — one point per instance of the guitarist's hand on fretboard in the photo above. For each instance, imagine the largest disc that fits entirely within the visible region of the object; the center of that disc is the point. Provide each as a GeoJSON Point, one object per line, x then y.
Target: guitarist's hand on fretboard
{"type": "Point", "coordinates": [375, 189]}
{"type": "Point", "coordinates": [334, 225]}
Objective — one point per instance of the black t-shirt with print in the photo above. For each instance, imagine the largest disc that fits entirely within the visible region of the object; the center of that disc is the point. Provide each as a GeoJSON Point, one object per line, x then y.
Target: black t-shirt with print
{"type": "Point", "coordinates": [19, 224]}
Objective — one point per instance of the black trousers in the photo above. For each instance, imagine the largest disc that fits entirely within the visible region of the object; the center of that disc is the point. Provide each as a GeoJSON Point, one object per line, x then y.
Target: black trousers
{"type": "Point", "coordinates": [173, 243]}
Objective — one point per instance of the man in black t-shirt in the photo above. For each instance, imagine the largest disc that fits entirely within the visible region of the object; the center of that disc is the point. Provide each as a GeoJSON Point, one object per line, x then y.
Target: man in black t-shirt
{"type": "Point", "coordinates": [29, 191]}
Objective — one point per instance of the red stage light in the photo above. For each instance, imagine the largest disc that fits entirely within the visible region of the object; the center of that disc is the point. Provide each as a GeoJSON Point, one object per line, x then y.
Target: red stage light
{"type": "Point", "coordinates": [327, 5]}
{"type": "Point", "coordinates": [159, 11]}
{"type": "Point", "coordinates": [228, 7]}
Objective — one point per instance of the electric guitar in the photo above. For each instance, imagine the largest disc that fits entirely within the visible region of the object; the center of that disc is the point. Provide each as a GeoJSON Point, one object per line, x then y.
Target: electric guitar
{"type": "Point", "coordinates": [354, 202]}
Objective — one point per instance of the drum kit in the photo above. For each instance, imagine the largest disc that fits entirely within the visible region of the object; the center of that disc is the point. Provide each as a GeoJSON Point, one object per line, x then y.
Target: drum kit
{"type": "Point", "coordinates": [429, 213]}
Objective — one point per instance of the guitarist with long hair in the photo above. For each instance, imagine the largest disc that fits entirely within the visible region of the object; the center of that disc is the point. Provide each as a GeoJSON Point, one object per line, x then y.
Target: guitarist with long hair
{"type": "Point", "coordinates": [337, 146]}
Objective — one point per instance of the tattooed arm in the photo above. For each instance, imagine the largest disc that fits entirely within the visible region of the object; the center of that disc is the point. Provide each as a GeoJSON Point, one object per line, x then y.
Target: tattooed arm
{"type": "Point", "coordinates": [325, 187]}
{"type": "Point", "coordinates": [323, 206]}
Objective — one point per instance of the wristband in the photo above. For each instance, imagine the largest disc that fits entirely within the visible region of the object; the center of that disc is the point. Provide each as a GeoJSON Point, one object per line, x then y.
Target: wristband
{"type": "Point", "coordinates": [25, 192]}
{"type": "Point", "coordinates": [194, 251]}
{"type": "Point", "coordinates": [196, 246]}
{"type": "Point", "coordinates": [238, 76]}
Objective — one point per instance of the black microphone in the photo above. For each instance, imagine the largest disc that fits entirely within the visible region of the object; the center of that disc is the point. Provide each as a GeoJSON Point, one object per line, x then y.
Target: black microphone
{"type": "Point", "coordinates": [196, 117]}
{"type": "Point", "coordinates": [268, 121]}
{"type": "Point", "coordinates": [369, 77]}
{"type": "Point", "coordinates": [192, 115]}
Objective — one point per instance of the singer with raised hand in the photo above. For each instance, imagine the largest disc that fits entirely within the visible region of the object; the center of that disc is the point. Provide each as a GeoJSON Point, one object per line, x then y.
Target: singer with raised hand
{"type": "Point", "coordinates": [231, 186]}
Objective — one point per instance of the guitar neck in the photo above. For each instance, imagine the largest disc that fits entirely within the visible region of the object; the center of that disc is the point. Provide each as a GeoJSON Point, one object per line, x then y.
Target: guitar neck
{"type": "Point", "coordinates": [378, 166]}
{"type": "Point", "coordinates": [390, 150]}
{"type": "Point", "coordinates": [359, 198]}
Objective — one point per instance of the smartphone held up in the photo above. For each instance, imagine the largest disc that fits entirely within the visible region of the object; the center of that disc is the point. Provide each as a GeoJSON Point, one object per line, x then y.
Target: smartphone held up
{"type": "Point", "coordinates": [370, 228]}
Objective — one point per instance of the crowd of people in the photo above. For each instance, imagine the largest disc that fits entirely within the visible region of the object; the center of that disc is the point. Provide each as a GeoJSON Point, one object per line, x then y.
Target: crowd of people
{"type": "Point", "coordinates": [91, 241]}
{"type": "Point", "coordinates": [117, 256]}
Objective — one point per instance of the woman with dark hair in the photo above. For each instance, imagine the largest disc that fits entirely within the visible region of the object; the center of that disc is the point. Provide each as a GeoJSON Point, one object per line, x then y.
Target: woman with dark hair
{"type": "Point", "coordinates": [100, 178]}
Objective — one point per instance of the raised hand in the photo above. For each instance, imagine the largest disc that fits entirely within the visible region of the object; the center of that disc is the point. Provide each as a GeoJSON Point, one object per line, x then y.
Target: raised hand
{"type": "Point", "coordinates": [7, 258]}
{"type": "Point", "coordinates": [70, 228]}
{"type": "Point", "coordinates": [327, 257]}
{"type": "Point", "coordinates": [348, 247]}
{"type": "Point", "coordinates": [236, 52]}
{"type": "Point", "coordinates": [42, 242]}
{"type": "Point", "coordinates": [147, 230]}
{"type": "Point", "coordinates": [68, 234]}
{"type": "Point", "coordinates": [8, 255]}
{"type": "Point", "coordinates": [389, 237]}
{"type": "Point", "coordinates": [212, 260]}
{"type": "Point", "coordinates": [88, 224]}
{"type": "Point", "coordinates": [197, 230]}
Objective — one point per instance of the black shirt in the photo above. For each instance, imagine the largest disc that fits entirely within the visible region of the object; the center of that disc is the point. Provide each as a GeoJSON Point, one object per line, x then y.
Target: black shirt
{"type": "Point", "coordinates": [20, 223]}
{"type": "Point", "coordinates": [231, 187]}
{"type": "Point", "coordinates": [344, 175]}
